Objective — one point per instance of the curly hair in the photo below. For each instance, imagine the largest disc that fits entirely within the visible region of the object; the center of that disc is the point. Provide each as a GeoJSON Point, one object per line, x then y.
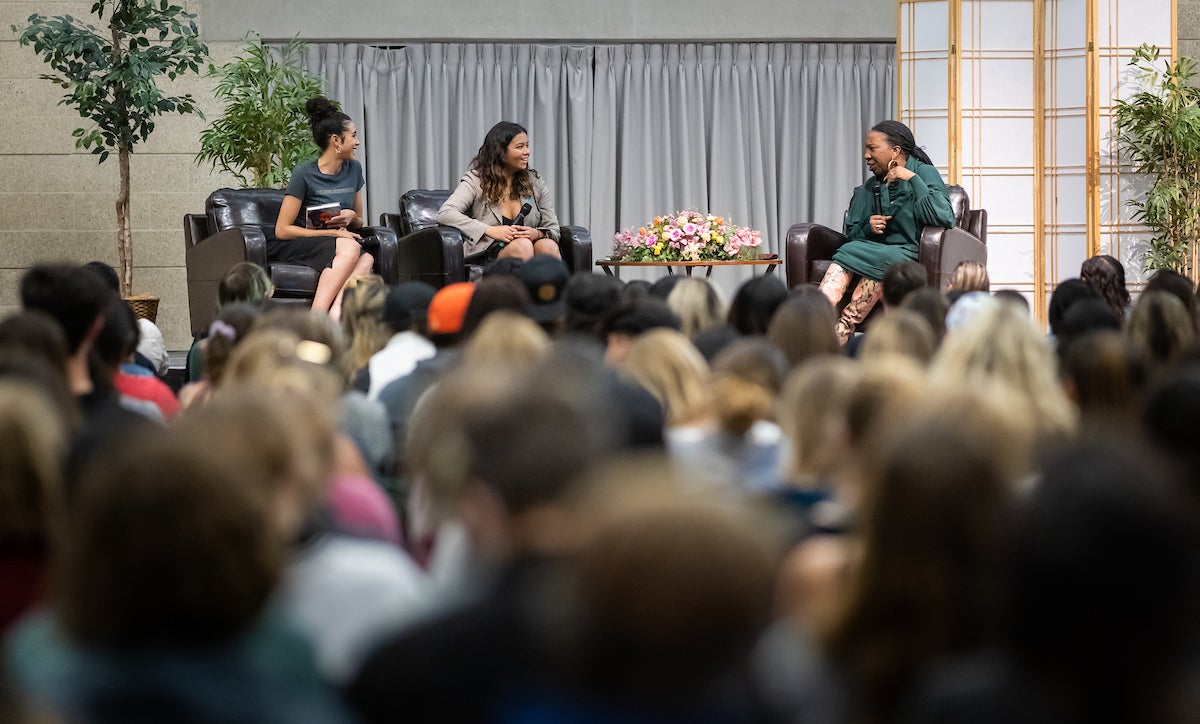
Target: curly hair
{"type": "Point", "coordinates": [1107, 276]}
{"type": "Point", "coordinates": [489, 164]}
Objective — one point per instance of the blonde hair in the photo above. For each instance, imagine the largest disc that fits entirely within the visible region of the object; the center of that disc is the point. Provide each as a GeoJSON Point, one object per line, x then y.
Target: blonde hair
{"type": "Point", "coordinates": [280, 360]}
{"type": "Point", "coordinates": [900, 332]}
{"type": "Point", "coordinates": [670, 367]}
{"type": "Point", "coordinates": [813, 415]}
{"type": "Point", "coordinates": [363, 328]}
{"type": "Point", "coordinates": [698, 305]}
{"type": "Point", "coordinates": [32, 442]}
{"type": "Point", "coordinates": [1001, 346]}
{"type": "Point", "coordinates": [506, 343]}
{"type": "Point", "coordinates": [970, 276]}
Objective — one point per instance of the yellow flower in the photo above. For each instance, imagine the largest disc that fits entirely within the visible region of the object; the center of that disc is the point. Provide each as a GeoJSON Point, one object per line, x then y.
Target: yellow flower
{"type": "Point", "coordinates": [657, 249]}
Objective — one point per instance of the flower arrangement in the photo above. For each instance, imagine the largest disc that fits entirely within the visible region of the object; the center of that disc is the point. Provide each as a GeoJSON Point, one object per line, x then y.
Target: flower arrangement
{"type": "Point", "coordinates": [687, 236]}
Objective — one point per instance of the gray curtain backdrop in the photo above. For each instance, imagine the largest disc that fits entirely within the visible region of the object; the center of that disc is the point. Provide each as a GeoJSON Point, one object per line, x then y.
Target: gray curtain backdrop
{"type": "Point", "coordinates": [767, 134]}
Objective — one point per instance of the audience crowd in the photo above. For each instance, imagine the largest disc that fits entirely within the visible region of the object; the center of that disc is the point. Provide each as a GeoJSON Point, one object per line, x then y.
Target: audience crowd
{"type": "Point", "coordinates": [548, 498]}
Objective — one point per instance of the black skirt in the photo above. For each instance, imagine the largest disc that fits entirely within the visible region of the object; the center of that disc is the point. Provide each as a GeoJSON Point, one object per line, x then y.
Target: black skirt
{"type": "Point", "coordinates": [314, 252]}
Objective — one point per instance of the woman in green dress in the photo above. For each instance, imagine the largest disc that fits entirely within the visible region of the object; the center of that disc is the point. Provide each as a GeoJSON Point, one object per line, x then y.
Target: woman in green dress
{"type": "Point", "coordinates": [883, 225]}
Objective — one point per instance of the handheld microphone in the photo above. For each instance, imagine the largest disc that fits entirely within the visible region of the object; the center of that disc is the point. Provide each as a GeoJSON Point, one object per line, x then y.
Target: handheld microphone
{"type": "Point", "coordinates": [525, 209]}
{"type": "Point", "coordinates": [878, 200]}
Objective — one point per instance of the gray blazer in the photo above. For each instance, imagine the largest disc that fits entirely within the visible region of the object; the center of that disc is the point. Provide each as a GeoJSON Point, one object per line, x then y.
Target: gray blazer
{"type": "Point", "coordinates": [468, 211]}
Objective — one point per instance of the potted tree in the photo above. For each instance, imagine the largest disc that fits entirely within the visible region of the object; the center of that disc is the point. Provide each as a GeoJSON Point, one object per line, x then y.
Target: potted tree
{"type": "Point", "coordinates": [111, 78]}
{"type": "Point", "coordinates": [1158, 129]}
{"type": "Point", "coordinates": [263, 131]}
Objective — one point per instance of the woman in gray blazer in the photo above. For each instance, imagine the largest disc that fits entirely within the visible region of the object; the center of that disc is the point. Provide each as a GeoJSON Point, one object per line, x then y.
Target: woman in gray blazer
{"type": "Point", "coordinates": [487, 206]}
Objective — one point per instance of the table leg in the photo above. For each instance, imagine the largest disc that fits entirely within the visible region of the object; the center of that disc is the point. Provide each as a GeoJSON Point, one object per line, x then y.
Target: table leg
{"type": "Point", "coordinates": [708, 272]}
{"type": "Point", "coordinates": [670, 271]}
{"type": "Point", "coordinates": [770, 269]}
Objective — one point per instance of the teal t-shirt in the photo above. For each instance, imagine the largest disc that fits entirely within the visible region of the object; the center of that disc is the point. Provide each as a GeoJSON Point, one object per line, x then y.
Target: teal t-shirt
{"type": "Point", "coordinates": [315, 188]}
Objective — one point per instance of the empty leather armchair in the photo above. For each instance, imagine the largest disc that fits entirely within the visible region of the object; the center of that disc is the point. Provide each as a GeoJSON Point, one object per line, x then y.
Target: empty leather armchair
{"type": "Point", "coordinates": [234, 228]}
{"type": "Point", "coordinates": [810, 247]}
{"type": "Point", "coordinates": [433, 252]}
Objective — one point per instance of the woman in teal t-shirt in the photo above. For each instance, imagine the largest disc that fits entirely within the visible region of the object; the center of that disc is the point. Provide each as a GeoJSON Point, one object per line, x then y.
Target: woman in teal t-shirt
{"type": "Point", "coordinates": [884, 223]}
{"type": "Point", "coordinates": [332, 249]}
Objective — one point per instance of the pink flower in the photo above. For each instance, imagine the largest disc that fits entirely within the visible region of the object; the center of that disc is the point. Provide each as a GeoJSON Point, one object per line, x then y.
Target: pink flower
{"type": "Point", "coordinates": [689, 228]}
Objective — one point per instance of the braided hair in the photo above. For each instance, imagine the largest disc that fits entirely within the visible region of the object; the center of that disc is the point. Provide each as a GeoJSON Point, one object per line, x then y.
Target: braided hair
{"type": "Point", "coordinates": [898, 135]}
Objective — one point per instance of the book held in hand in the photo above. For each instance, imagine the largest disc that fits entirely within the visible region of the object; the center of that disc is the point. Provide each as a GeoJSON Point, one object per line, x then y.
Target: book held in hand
{"type": "Point", "coordinates": [319, 216]}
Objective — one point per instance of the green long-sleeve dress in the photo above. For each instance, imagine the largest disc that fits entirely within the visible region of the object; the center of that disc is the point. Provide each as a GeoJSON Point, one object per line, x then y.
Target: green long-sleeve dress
{"type": "Point", "coordinates": [914, 204]}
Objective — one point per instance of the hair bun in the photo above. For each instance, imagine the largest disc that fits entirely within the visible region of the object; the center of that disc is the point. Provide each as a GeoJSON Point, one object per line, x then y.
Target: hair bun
{"type": "Point", "coordinates": [319, 107]}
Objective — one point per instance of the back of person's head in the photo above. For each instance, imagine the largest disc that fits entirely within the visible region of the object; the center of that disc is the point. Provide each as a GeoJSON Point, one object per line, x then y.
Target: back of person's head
{"type": "Point", "coordinates": [634, 290]}
{"type": "Point", "coordinates": [1106, 275]}
{"type": "Point", "coordinates": [495, 293]}
{"type": "Point", "coordinates": [1170, 419]}
{"type": "Point", "coordinates": [32, 445]}
{"type": "Point", "coordinates": [283, 442]}
{"type": "Point", "coordinates": [1085, 316]}
{"type": "Point", "coordinates": [900, 332]}
{"type": "Point", "coordinates": [35, 333]}
{"type": "Point", "coordinates": [1106, 539]}
{"type": "Point", "coordinates": [813, 416]}
{"type": "Point", "coordinates": [670, 367]}
{"type": "Point", "coordinates": [507, 344]}
{"type": "Point", "coordinates": [118, 337]}
{"type": "Point", "coordinates": [935, 517]}
{"type": "Point", "coordinates": [970, 276]}
{"type": "Point", "coordinates": [663, 286]}
{"type": "Point", "coordinates": [528, 448]}
{"type": "Point", "coordinates": [1175, 284]}
{"type": "Point", "coordinates": [932, 306]}
{"type": "Point", "coordinates": [309, 326]}
{"type": "Point", "coordinates": [901, 279]}
{"type": "Point", "coordinates": [755, 303]}
{"type": "Point", "coordinates": [714, 340]}
{"type": "Point", "coordinates": [640, 316]}
{"type": "Point", "coordinates": [1065, 295]}
{"type": "Point", "coordinates": [885, 391]}
{"type": "Point", "coordinates": [244, 282]}
{"type": "Point", "coordinates": [231, 326]}
{"type": "Point", "coordinates": [363, 328]}
{"type": "Point", "coordinates": [1101, 375]}
{"type": "Point", "coordinates": [803, 326]}
{"type": "Point", "coordinates": [406, 305]}
{"type": "Point", "coordinates": [74, 296]}
{"type": "Point", "coordinates": [167, 547]}
{"type": "Point", "coordinates": [107, 274]}
{"type": "Point", "coordinates": [447, 312]}
{"type": "Point", "coordinates": [698, 305]}
{"type": "Point", "coordinates": [1159, 329]}
{"type": "Point", "coordinates": [590, 298]}
{"type": "Point", "coordinates": [1012, 296]}
{"type": "Point", "coordinates": [747, 377]}
{"type": "Point", "coordinates": [1001, 345]}
{"type": "Point", "coordinates": [279, 359]}
{"type": "Point", "coordinates": [672, 595]}
{"type": "Point", "coordinates": [545, 278]}
{"type": "Point", "coordinates": [754, 359]}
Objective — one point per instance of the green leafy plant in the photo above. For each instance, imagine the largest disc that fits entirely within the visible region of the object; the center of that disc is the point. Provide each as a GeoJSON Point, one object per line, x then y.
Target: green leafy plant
{"type": "Point", "coordinates": [263, 132]}
{"type": "Point", "coordinates": [111, 77]}
{"type": "Point", "coordinates": [1158, 129]}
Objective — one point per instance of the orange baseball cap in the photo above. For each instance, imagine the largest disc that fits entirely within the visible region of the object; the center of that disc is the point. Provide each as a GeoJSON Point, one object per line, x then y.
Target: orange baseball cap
{"type": "Point", "coordinates": [448, 308]}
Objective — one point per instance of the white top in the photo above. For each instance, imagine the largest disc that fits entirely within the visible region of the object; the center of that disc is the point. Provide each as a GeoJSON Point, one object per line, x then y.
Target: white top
{"type": "Point", "coordinates": [401, 355]}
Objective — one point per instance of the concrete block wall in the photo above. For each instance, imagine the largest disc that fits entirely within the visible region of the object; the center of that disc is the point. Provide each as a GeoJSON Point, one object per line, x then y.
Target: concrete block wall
{"type": "Point", "coordinates": [1188, 27]}
{"type": "Point", "coordinates": [58, 204]}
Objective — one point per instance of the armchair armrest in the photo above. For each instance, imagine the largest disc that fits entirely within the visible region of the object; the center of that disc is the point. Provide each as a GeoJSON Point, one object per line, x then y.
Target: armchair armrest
{"type": "Point", "coordinates": [207, 261]}
{"type": "Point", "coordinates": [195, 229]}
{"type": "Point", "coordinates": [958, 246]}
{"type": "Point", "coordinates": [806, 243]}
{"type": "Point", "coordinates": [381, 242]}
{"type": "Point", "coordinates": [575, 245]}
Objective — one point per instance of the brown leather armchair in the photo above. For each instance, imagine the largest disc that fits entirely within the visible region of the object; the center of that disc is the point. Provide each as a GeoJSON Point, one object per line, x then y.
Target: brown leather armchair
{"type": "Point", "coordinates": [809, 247]}
{"type": "Point", "coordinates": [234, 228]}
{"type": "Point", "coordinates": [432, 252]}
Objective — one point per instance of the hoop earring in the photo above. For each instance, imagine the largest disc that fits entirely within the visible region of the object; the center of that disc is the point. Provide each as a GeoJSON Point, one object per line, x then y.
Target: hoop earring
{"type": "Point", "coordinates": [892, 164]}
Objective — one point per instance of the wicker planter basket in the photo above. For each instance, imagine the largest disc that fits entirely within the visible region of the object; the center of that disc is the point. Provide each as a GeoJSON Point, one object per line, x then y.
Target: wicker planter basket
{"type": "Point", "coordinates": [145, 306]}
